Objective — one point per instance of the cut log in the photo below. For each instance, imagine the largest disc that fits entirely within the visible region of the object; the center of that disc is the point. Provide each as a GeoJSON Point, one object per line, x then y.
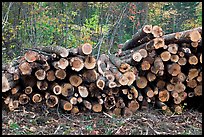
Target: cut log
{"type": "Point", "coordinates": [191, 94]}
{"type": "Point", "coordinates": [182, 77]}
{"type": "Point", "coordinates": [28, 90]}
{"type": "Point", "coordinates": [58, 50]}
{"type": "Point", "coordinates": [178, 109]}
{"type": "Point", "coordinates": [173, 48]}
{"type": "Point", "coordinates": [164, 95]}
{"type": "Point", "coordinates": [40, 74]}
{"type": "Point", "coordinates": [193, 60]}
{"type": "Point", "coordinates": [165, 56]}
{"type": "Point", "coordinates": [96, 107]}
{"type": "Point", "coordinates": [141, 82]}
{"type": "Point", "coordinates": [174, 94]}
{"type": "Point", "coordinates": [75, 80]}
{"type": "Point", "coordinates": [174, 58]}
{"type": "Point", "coordinates": [42, 85]}
{"type": "Point", "coordinates": [143, 53]}
{"type": "Point", "coordinates": [145, 65]}
{"type": "Point", "coordinates": [7, 84]}
{"type": "Point", "coordinates": [181, 54]}
{"type": "Point", "coordinates": [126, 112]}
{"type": "Point", "coordinates": [195, 36]}
{"type": "Point", "coordinates": [73, 51]}
{"type": "Point", "coordinates": [76, 95]}
{"type": "Point", "coordinates": [137, 56]}
{"type": "Point", "coordinates": [67, 90]}
{"type": "Point", "coordinates": [193, 73]}
{"type": "Point", "coordinates": [117, 111]}
{"type": "Point", "coordinates": [66, 105]}
{"type": "Point", "coordinates": [139, 35]}
{"type": "Point", "coordinates": [125, 91]}
{"type": "Point", "coordinates": [200, 58]}
{"type": "Point", "coordinates": [133, 106]}
{"type": "Point", "coordinates": [130, 77]}
{"type": "Point", "coordinates": [170, 87]}
{"type": "Point", "coordinates": [174, 80]}
{"type": "Point", "coordinates": [134, 91]}
{"type": "Point", "coordinates": [15, 89]}
{"type": "Point", "coordinates": [179, 87]}
{"type": "Point", "coordinates": [157, 31]}
{"type": "Point", "coordinates": [199, 78]}
{"type": "Point", "coordinates": [25, 68]}
{"type": "Point", "coordinates": [31, 56]}
{"type": "Point", "coordinates": [79, 100]}
{"type": "Point", "coordinates": [87, 104]}
{"type": "Point", "coordinates": [183, 95]}
{"type": "Point", "coordinates": [100, 83]}
{"type": "Point", "coordinates": [161, 84]}
{"type": "Point", "coordinates": [194, 44]}
{"type": "Point", "coordinates": [156, 90]}
{"type": "Point", "coordinates": [111, 84]}
{"type": "Point", "coordinates": [73, 100]}
{"type": "Point", "coordinates": [184, 36]}
{"type": "Point", "coordinates": [50, 75]}
{"type": "Point", "coordinates": [76, 63]}
{"type": "Point", "coordinates": [46, 66]}
{"type": "Point", "coordinates": [75, 110]}
{"type": "Point", "coordinates": [52, 101]}
{"type": "Point", "coordinates": [85, 49]}
{"type": "Point", "coordinates": [122, 66]}
{"type": "Point", "coordinates": [198, 90]}
{"type": "Point", "coordinates": [151, 77]}
{"type": "Point", "coordinates": [83, 91]}
{"type": "Point", "coordinates": [192, 83]}
{"type": "Point", "coordinates": [118, 75]}
{"type": "Point", "coordinates": [36, 98]}
{"type": "Point", "coordinates": [90, 75]}
{"type": "Point", "coordinates": [140, 96]}
{"type": "Point", "coordinates": [129, 96]}
{"type": "Point", "coordinates": [158, 64]}
{"type": "Point", "coordinates": [60, 74]}
{"type": "Point", "coordinates": [57, 89]}
{"type": "Point", "coordinates": [7, 100]}
{"type": "Point", "coordinates": [13, 104]}
{"type": "Point", "coordinates": [158, 43]}
{"type": "Point", "coordinates": [55, 64]}
{"type": "Point", "coordinates": [23, 99]}
{"type": "Point", "coordinates": [63, 63]}
{"type": "Point", "coordinates": [101, 64]}
{"type": "Point", "coordinates": [149, 92]}
{"type": "Point", "coordinates": [161, 105]}
{"type": "Point", "coordinates": [100, 101]}
{"type": "Point", "coordinates": [109, 75]}
{"type": "Point", "coordinates": [16, 76]}
{"type": "Point", "coordinates": [90, 62]}
{"type": "Point", "coordinates": [174, 69]}
{"type": "Point", "coordinates": [186, 50]}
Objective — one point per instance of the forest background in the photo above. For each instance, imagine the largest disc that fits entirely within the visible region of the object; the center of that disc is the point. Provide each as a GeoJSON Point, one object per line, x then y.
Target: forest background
{"type": "Point", "coordinates": [103, 24]}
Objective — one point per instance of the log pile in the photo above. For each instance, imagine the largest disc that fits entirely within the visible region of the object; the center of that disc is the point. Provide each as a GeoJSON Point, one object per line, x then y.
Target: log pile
{"type": "Point", "coordinates": [150, 69]}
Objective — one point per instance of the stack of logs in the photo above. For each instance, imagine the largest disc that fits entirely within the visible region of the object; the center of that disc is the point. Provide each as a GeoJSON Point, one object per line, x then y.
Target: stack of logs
{"type": "Point", "coordinates": [150, 69]}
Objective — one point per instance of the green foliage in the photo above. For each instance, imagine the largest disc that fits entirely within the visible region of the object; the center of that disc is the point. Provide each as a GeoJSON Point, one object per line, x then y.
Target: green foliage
{"type": "Point", "coordinates": [14, 126]}
{"type": "Point", "coordinates": [70, 24]}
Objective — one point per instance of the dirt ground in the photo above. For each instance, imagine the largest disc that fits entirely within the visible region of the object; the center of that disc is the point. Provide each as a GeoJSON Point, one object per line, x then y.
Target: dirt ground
{"type": "Point", "coordinates": [40, 121]}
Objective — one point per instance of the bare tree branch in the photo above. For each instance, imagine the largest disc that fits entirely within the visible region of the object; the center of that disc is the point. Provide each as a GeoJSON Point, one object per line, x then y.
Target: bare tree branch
{"type": "Point", "coordinates": [5, 19]}
{"type": "Point", "coordinates": [102, 34]}
{"type": "Point", "coordinates": [116, 28]}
